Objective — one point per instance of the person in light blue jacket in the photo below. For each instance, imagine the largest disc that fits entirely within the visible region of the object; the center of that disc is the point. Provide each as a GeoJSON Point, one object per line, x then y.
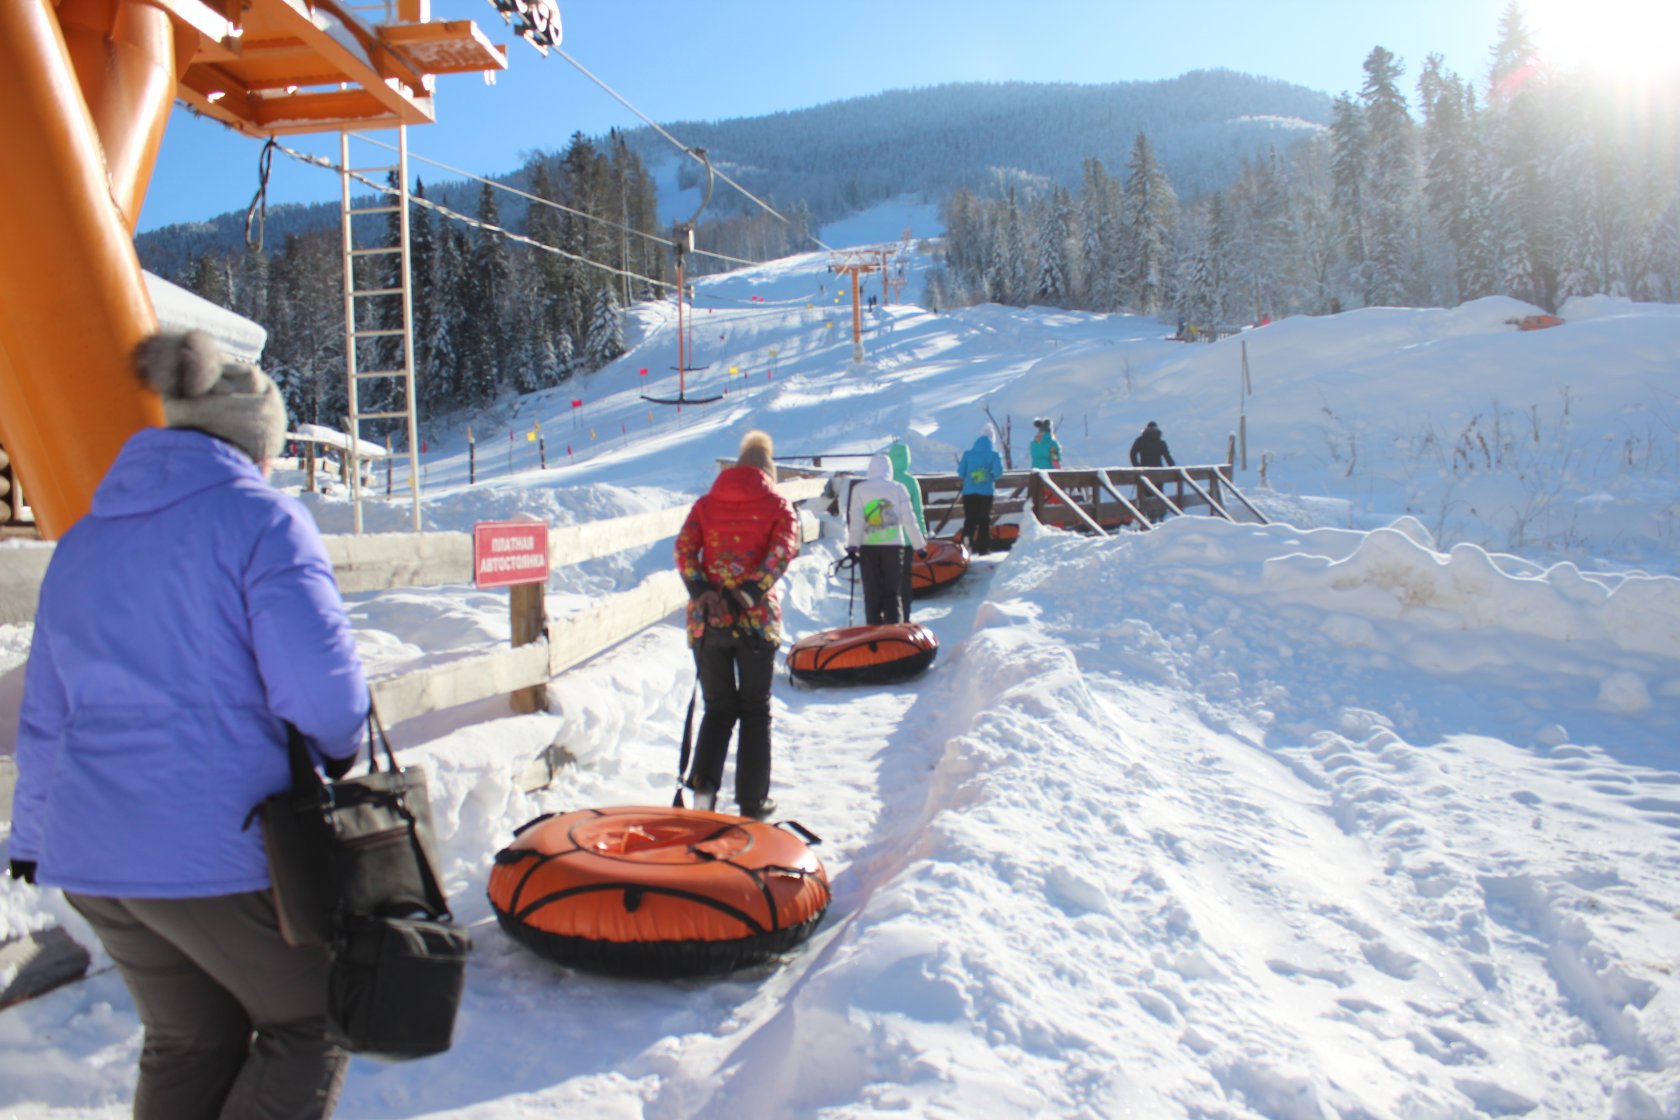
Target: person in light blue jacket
{"type": "Point", "coordinates": [979, 468]}
{"type": "Point", "coordinates": [183, 623]}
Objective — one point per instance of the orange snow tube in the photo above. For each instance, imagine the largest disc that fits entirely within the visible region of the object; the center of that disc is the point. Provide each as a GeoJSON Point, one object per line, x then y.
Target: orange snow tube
{"type": "Point", "coordinates": [658, 892]}
{"type": "Point", "coordinates": [1538, 322]}
{"type": "Point", "coordinates": [885, 654]}
{"type": "Point", "coordinates": [1005, 534]}
{"type": "Point", "coordinates": [944, 564]}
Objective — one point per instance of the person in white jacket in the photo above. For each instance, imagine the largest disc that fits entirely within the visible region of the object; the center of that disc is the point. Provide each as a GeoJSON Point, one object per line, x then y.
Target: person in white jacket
{"type": "Point", "coordinates": [879, 526]}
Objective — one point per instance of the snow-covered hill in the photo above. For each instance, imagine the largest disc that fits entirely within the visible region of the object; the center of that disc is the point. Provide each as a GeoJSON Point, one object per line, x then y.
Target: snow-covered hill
{"type": "Point", "coordinates": [1370, 812]}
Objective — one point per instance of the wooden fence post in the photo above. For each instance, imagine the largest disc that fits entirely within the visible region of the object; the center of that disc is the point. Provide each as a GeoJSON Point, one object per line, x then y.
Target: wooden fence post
{"type": "Point", "coordinates": [528, 602]}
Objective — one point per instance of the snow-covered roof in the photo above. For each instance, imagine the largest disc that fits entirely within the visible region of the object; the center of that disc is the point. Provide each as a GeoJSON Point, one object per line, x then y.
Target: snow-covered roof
{"type": "Point", "coordinates": [317, 433]}
{"type": "Point", "coordinates": [178, 309]}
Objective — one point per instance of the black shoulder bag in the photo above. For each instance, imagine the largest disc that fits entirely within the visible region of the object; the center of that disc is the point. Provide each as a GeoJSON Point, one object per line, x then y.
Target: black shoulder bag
{"type": "Point", "coordinates": [354, 867]}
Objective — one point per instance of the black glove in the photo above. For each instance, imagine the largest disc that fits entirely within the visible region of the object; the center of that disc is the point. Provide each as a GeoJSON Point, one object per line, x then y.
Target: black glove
{"type": "Point", "coordinates": [921, 554]}
{"type": "Point", "coordinates": [24, 869]}
{"type": "Point", "coordinates": [336, 768]}
{"type": "Point", "coordinates": [852, 551]}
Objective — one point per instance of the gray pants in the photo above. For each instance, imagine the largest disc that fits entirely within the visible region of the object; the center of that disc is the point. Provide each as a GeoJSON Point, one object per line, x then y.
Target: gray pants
{"type": "Point", "coordinates": [235, 1018]}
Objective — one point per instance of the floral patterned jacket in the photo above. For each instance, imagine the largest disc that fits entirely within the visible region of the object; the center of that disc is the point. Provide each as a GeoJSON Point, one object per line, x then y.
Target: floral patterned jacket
{"type": "Point", "coordinates": [741, 535]}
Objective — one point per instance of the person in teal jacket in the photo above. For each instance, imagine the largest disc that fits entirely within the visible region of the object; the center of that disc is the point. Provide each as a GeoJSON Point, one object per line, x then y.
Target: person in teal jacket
{"type": "Point", "coordinates": [1045, 447]}
{"type": "Point", "coordinates": [899, 456]}
{"type": "Point", "coordinates": [979, 468]}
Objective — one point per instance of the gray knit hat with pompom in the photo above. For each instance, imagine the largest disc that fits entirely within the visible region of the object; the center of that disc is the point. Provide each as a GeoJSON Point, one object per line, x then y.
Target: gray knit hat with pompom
{"type": "Point", "coordinates": [204, 391]}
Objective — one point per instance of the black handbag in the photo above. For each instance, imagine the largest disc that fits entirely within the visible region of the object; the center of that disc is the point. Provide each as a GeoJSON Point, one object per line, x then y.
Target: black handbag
{"type": "Point", "coordinates": [395, 986]}
{"type": "Point", "coordinates": [354, 867]}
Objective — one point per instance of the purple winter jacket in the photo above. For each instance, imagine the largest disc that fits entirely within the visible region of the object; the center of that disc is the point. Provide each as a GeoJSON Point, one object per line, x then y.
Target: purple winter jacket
{"type": "Point", "coordinates": [188, 614]}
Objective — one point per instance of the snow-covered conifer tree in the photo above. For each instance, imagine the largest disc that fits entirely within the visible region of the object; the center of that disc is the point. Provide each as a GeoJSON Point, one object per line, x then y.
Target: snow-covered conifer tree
{"type": "Point", "coordinates": [1149, 211]}
{"type": "Point", "coordinates": [1099, 204]}
{"type": "Point", "coordinates": [1053, 267]}
{"type": "Point", "coordinates": [1392, 183]}
{"type": "Point", "coordinates": [605, 341]}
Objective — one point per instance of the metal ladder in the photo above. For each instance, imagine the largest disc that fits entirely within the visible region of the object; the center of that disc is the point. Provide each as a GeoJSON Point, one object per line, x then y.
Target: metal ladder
{"type": "Point", "coordinates": [360, 338]}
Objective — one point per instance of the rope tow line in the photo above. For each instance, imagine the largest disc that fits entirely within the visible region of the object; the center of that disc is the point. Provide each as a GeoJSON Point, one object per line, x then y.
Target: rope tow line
{"type": "Point", "coordinates": [562, 207]}
{"type": "Point", "coordinates": [382, 188]}
{"type": "Point", "coordinates": [257, 213]}
{"type": "Point", "coordinates": [686, 149]}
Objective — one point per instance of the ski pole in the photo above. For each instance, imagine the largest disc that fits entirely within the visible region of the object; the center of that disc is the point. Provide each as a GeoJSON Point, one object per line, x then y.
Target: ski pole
{"type": "Point", "coordinates": [851, 591]}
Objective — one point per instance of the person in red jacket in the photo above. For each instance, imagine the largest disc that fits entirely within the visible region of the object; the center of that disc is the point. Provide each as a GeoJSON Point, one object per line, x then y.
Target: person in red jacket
{"type": "Point", "coordinates": [736, 543]}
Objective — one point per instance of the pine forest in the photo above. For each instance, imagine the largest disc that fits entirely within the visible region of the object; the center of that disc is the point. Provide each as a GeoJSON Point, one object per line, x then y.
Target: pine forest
{"type": "Point", "coordinates": [1530, 183]}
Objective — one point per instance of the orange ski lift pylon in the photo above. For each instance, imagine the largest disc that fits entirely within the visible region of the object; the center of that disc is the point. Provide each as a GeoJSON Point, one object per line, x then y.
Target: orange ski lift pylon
{"type": "Point", "coordinates": [275, 67]}
{"type": "Point", "coordinates": [90, 85]}
{"type": "Point", "coordinates": [682, 243]}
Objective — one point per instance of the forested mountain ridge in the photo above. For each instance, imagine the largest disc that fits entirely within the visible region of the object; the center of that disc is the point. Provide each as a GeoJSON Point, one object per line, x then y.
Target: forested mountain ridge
{"type": "Point", "coordinates": [835, 158]}
{"type": "Point", "coordinates": [845, 155]}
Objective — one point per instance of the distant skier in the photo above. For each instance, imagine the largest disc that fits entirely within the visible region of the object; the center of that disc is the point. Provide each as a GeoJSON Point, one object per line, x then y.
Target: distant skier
{"type": "Point", "coordinates": [880, 522]}
{"type": "Point", "coordinates": [1150, 449]}
{"type": "Point", "coordinates": [979, 468]}
{"type": "Point", "coordinates": [1046, 449]}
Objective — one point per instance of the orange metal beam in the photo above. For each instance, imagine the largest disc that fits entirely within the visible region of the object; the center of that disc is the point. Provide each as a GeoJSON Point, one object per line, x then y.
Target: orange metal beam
{"type": "Point", "coordinates": [89, 85]}
{"type": "Point", "coordinates": [124, 58]}
{"type": "Point", "coordinates": [445, 47]}
{"type": "Point", "coordinates": [72, 301]}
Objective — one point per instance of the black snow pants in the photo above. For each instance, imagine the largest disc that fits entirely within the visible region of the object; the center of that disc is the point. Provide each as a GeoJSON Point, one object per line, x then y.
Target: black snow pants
{"type": "Point", "coordinates": [882, 570]}
{"type": "Point", "coordinates": [977, 522]}
{"type": "Point", "coordinates": [906, 590]}
{"type": "Point", "coordinates": [735, 675]}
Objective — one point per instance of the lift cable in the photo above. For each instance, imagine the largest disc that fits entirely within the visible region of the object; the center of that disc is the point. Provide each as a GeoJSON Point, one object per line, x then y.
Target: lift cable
{"type": "Point", "coordinates": [555, 205]}
{"type": "Point", "coordinates": [385, 188]}
{"type": "Point", "coordinates": [684, 148]}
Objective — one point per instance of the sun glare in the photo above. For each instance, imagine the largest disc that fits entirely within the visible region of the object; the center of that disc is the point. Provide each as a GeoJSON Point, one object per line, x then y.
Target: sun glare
{"type": "Point", "coordinates": [1631, 39]}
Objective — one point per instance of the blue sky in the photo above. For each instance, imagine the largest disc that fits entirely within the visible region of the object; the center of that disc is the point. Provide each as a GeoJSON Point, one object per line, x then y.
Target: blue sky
{"type": "Point", "coordinates": [679, 59]}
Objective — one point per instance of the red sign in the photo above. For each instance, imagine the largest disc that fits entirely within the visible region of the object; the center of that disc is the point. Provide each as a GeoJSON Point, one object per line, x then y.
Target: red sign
{"type": "Point", "coordinates": [509, 552]}
{"type": "Point", "coordinates": [577, 404]}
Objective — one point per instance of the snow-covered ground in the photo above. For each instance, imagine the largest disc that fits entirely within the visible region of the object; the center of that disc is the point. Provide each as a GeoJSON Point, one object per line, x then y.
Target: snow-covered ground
{"type": "Point", "coordinates": [1370, 812]}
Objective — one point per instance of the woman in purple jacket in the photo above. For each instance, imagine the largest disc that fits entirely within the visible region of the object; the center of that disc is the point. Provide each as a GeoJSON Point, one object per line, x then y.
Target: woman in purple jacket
{"type": "Point", "coordinates": [182, 624]}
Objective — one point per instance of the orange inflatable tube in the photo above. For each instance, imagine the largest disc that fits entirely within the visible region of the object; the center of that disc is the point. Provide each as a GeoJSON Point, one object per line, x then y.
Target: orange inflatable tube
{"type": "Point", "coordinates": [944, 564]}
{"type": "Point", "coordinates": [657, 892]}
{"type": "Point", "coordinates": [72, 300]}
{"type": "Point", "coordinates": [884, 654]}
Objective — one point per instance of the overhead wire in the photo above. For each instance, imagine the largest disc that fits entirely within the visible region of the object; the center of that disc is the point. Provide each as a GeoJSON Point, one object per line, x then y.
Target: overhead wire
{"type": "Point", "coordinates": [252, 214]}
{"type": "Point", "coordinates": [684, 148]}
{"type": "Point", "coordinates": [552, 204]}
{"type": "Point", "coordinates": [477, 223]}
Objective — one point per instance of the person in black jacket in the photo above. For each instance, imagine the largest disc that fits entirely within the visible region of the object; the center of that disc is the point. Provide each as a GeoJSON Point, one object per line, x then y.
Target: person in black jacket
{"type": "Point", "coordinates": [1149, 449]}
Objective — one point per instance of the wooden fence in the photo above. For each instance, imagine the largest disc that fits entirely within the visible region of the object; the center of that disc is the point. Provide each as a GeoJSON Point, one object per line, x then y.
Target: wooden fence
{"type": "Point", "coordinates": [384, 561]}
{"type": "Point", "coordinates": [1087, 500]}
{"type": "Point", "coordinates": [1096, 500]}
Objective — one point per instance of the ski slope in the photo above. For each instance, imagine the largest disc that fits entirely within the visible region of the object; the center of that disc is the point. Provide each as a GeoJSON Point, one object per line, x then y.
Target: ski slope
{"type": "Point", "coordinates": [1370, 812]}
